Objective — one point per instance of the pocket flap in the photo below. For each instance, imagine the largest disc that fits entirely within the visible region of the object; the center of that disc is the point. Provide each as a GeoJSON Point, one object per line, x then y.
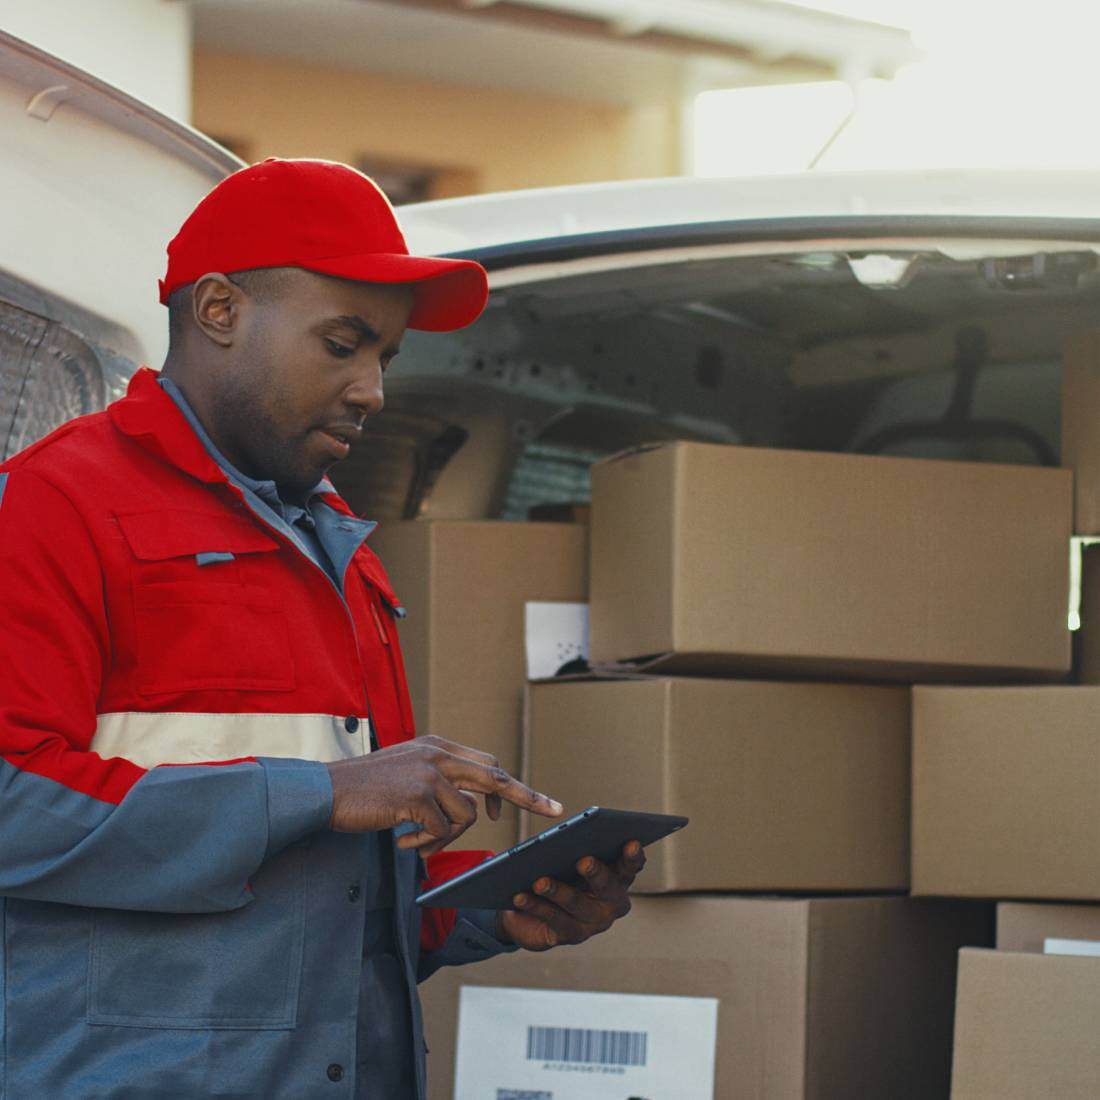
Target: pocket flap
{"type": "Point", "coordinates": [155, 536]}
{"type": "Point", "coordinates": [371, 569]}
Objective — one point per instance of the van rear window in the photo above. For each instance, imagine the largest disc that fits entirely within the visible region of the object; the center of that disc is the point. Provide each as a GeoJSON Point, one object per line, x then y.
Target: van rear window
{"type": "Point", "coordinates": [48, 374]}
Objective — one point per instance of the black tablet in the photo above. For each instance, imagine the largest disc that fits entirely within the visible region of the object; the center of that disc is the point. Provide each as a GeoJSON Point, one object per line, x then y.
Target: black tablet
{"type": "Point", "coordinates": [595, 832]}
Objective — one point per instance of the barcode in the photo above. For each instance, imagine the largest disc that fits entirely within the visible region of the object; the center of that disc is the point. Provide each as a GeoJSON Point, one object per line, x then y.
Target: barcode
{"type": "Point", "coordinates": [524, 1094]}
{"type": "Point", "coordinates": [577, 1044]}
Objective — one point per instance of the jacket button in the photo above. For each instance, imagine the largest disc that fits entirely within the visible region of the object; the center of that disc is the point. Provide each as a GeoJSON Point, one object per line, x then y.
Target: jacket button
{"type": "Point", "coordinates": [353, 892]}
{"type": "Point", "coordinates": [351, 724]}
{"type": "Point", "coordinates": [335, 1072]}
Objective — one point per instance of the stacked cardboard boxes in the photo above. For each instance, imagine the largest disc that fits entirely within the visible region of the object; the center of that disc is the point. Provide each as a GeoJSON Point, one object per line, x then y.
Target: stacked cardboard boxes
{"type": "Point", "coordinates": [1006, 805]}
{"type": "Point", "coordinates": [817, 998]}
{"type": "Point", "coordinates": [757, 618]}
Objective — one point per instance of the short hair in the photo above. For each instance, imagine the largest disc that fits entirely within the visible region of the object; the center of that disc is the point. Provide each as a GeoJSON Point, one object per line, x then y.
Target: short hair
{"type": "Point", "coordinates": [261, 283]}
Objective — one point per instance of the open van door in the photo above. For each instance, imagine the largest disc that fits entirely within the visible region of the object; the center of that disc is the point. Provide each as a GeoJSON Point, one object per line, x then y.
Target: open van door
{"type": "Point", "coordinates": [93, 184]}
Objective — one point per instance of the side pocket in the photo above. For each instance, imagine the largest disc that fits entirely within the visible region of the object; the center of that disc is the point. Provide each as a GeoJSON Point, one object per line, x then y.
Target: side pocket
{"type": "Point", "coordinates": [240, 969]}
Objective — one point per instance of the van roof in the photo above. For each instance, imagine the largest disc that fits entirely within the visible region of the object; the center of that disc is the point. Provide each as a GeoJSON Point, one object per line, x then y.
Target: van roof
{"type": "Point", "coordinates": [487, 222]}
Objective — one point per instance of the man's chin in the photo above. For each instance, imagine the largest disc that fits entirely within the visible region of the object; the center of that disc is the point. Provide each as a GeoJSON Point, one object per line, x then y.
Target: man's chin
{"type": "Point", "coordinates": [297, 478]}
{"type": "Point", "coordinates": [298, 490]}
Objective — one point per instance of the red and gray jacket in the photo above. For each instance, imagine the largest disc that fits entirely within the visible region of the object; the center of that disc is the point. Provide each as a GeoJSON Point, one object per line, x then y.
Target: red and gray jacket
{"type": "Point", "coordinates": [176, 918]}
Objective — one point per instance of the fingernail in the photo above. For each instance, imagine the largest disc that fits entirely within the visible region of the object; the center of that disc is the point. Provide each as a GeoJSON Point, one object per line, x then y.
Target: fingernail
{"type": "Point", "coordinates": [555, 806]}
{"type": "Point", "coordinates": [587, 867]}
{"type": "Point", "coordinates": [542, 887]}
{"type": "Point", "coordinates": [520, 900]}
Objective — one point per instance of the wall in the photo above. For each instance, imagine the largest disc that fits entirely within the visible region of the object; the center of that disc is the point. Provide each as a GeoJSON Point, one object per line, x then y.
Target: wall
{"type": "Point", "coordinates": [485, 140]}
{"type": "Point", "coordinates": [141, 46]}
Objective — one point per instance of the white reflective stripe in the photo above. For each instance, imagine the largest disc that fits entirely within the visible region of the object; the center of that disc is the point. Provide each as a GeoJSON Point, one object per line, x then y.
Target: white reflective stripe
{"type": "Point", "coordinates": [149, 738]}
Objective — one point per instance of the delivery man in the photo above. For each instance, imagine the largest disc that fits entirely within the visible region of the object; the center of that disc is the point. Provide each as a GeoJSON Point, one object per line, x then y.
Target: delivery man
{"type": "Point", "coordinates": [213, 816]}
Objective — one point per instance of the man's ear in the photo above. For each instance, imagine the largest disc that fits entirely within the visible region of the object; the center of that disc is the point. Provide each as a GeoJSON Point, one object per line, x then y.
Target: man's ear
{"type": "Point", "coordinates": [216, 307]}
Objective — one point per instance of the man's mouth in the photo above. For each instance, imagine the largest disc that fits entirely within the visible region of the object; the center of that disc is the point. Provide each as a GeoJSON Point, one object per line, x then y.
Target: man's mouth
{"type": "Point", "coordinates": [338, 438]}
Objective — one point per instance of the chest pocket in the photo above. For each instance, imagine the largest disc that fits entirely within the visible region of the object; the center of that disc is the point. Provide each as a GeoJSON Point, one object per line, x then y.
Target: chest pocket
{"type": "Point", "coordinates": [204, 613]}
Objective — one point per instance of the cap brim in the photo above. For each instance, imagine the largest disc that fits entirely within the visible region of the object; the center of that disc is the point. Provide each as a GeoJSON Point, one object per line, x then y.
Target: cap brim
{"type": "Point", "coordinates": [449, 293]}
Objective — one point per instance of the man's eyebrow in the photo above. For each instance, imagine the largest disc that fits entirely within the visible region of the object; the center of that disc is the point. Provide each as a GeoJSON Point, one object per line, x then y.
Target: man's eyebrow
{"type": "Point", "coordinates": [363, 327]}
{"type": "Point", "coordinates": [353, 320]}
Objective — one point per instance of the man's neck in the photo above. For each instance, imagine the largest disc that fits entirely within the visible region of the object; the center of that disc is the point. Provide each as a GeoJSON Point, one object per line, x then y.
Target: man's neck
{"type": "Point", "coordinates": [223, 456]}
{"type": "Point", "coordinates": [194, 394]}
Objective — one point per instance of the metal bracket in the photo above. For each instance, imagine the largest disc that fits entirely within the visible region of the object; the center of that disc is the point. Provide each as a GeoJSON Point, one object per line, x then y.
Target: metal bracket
{"type": "Point", "coordinates": [43, 104]}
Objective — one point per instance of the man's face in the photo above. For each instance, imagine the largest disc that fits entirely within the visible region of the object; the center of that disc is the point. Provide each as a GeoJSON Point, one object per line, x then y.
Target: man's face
{"type": "Point", "coordinates": [304, 371]}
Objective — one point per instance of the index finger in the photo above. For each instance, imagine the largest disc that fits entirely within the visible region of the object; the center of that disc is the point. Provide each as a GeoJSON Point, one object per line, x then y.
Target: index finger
{"type": "Point", "coordinates": [492, 801]}
{"type": "Point", "coordinates": [472, 776]}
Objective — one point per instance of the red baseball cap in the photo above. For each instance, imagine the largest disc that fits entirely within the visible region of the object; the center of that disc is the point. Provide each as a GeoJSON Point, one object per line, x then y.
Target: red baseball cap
{"type": "Point", "coordinates": [324, 217]}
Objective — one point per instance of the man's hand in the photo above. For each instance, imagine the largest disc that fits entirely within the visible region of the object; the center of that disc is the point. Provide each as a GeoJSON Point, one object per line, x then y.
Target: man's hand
{"type": "Point", "coordinates": [427, 781]}
{"type": "Point", "coordinates": [554, 913]}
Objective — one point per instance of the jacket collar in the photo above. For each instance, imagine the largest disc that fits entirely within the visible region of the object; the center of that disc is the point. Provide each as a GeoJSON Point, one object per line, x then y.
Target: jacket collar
{"type": "Point", "coordinates": [154, 421]}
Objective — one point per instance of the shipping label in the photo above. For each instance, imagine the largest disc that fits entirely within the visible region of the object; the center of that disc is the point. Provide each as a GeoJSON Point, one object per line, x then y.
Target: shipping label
{"type": "Point", "coordinates": [537, 1044]}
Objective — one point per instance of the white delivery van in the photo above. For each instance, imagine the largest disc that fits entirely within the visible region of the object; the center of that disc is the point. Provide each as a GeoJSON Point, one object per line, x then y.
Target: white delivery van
{"type": "Point", "coordinates": [916, 313]}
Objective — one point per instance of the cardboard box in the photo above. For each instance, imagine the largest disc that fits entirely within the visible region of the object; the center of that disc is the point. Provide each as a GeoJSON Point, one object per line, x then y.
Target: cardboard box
{"type": "Point", "coordinates": [1025, 1027]}
{"type": "Point", "coordinates": [789, 786]}
{"type": "Point", "coordinates": [818, 999]}
{"type": "Point", "coordinates": [1081, 427]}
{"type": "Point", "coordinates": [1006, 802]}
{"type": "Point", "coordinates": [1024, 927]}
{"type": "Point", "coordinates": [464, 586]}
{"type": "Point", "coordinates": [727, 560]}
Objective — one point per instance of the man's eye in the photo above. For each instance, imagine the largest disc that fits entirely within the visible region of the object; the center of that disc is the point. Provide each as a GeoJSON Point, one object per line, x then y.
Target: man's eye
{"type": "Point", "coordinates": [339, 350]}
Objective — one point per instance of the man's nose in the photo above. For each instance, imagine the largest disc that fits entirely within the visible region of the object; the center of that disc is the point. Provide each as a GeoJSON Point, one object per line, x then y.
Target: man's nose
{"type": "Point", "coordinates": [365, 393]}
